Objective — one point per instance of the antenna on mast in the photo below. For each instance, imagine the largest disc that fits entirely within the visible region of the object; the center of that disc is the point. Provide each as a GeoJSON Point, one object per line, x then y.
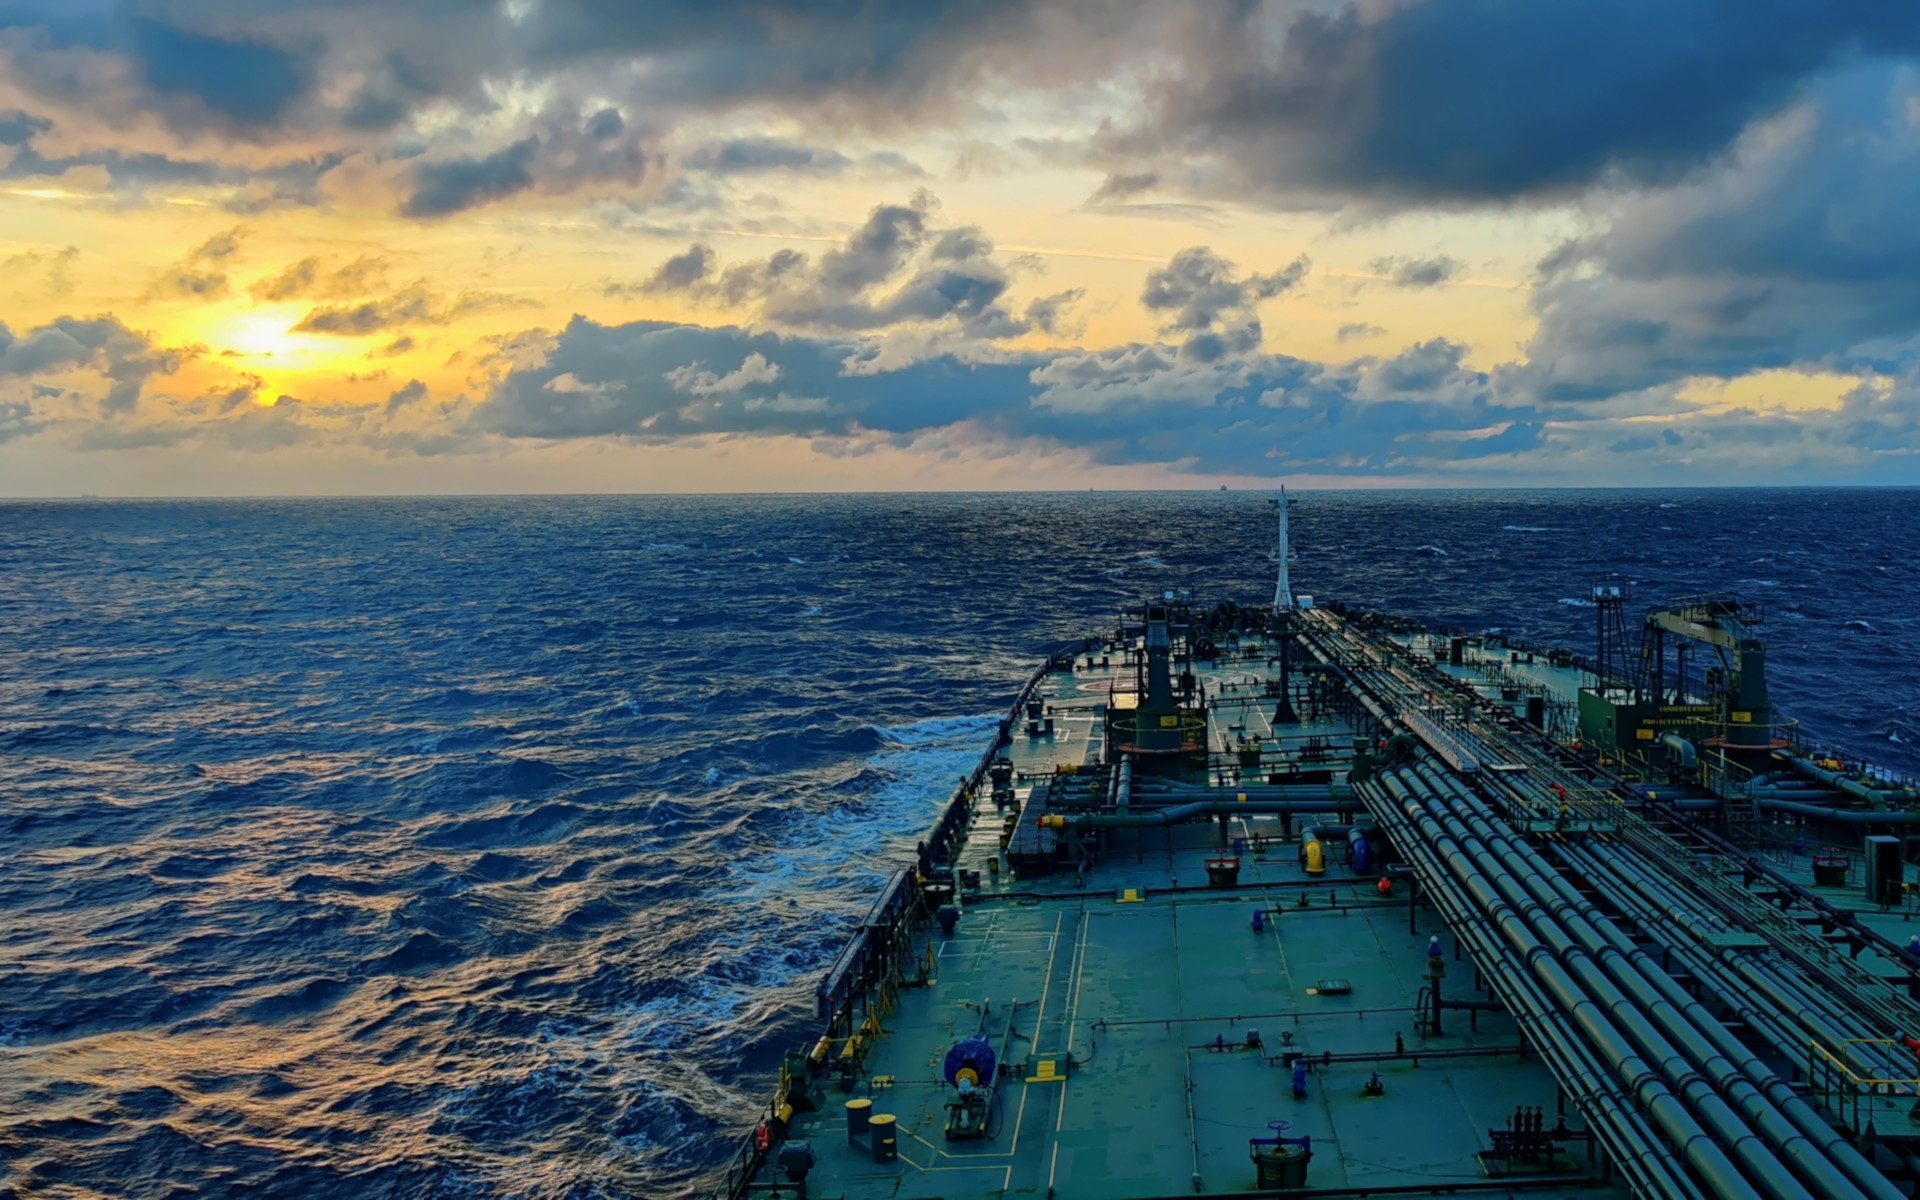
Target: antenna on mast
{"type": "Point", "coordinates": [1282, 589]}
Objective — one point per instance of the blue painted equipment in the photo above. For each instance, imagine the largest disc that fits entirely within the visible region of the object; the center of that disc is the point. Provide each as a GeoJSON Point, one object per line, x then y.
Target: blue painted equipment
{"type": "Point", "coordinates": [971, 1059]}
{"type": "Point", "coordinates": [1259, 922]}
{"type": "Point", "coordinates": [970, 1069]}
{"type": "Point", "coordinates": [1362, 854]}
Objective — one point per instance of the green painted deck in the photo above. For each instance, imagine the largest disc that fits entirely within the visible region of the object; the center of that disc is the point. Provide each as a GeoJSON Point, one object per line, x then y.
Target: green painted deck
{"type": "Point", "coordinates": [1154, 1002]}
{"type": "Point", "coordinates": [1150, 1006]}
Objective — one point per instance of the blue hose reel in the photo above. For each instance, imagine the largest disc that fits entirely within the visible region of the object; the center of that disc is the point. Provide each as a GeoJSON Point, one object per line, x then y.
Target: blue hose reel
{"type": "Point", "coordinates": [973, 1056]}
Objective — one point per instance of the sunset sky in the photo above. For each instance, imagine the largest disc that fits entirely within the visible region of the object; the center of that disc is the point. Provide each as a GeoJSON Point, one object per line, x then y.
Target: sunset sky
{"type": "Point", "coordinates": [561, 245]}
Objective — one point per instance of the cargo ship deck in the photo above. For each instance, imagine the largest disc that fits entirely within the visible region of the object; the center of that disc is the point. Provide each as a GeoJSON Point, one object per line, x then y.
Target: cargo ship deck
{"type": "Point", "coordinates": [1361, 922]}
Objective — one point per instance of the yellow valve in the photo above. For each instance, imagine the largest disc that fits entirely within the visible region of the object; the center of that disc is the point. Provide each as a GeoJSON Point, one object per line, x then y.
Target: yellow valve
{"type": "Point", "coordinates": [1316, 858]}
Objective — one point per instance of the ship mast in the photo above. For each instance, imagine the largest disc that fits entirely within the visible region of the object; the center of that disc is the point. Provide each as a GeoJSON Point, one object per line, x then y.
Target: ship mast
{"type": "Point", "coordinates": [1282, 590]}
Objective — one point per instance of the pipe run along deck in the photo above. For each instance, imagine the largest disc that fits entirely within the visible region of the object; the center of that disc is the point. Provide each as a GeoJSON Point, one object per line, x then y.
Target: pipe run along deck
{"type": "Point", "coordinates": [1171, 981]}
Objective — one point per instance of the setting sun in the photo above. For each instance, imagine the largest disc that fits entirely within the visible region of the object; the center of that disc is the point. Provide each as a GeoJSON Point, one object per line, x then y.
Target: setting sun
{"type": "Point", "coordinates": [267, 334]}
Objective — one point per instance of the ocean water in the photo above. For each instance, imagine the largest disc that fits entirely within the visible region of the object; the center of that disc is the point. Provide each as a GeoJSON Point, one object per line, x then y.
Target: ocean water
{"type": "Point", "coordinates": [492, 847]}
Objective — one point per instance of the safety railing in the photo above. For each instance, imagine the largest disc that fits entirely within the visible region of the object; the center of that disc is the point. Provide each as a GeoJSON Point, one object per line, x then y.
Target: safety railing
{"type": "Point", "coordinates": [1858, 1087]}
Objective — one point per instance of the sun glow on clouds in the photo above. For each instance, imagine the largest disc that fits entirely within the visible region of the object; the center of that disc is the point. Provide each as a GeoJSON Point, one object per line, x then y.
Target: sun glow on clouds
{"type": "Point", "coordinates": [254, 337]}
{"type": "Point", "coordinates": [1770, 391]}
{"type": "Point", "coordinates": [1152, 240]}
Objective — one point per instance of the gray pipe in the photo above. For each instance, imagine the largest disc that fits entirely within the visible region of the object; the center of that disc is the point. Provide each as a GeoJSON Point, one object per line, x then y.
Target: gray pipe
{"type": "Point", "coordinates": [1851, 787]}
{"type": "Point", "coordinates": [1740, 977]}
{"type": "Point", "coordinates": [1843, 816]}
{"type": "Point", "coordinates": [1633, 1004]}
{"type": "Point", "coordinates": [1174, 814]}
{"type": "Point", "coordinates": [1784, 1013]}
{"type": "Point", "coordinates": [1331, 795]}
{"type": "Point", "coordinates": [1590, 1081]}
{"type": "Point", "coordinates": [1666, 1109]}
{"type": "Point", "coordinates": [1789, 784]}
{"type": "Point", "coordinates": [1681, 747]}
{"type": "Point", "coordinates": [1795, 1130]}
{"type": "Point", "coordinates": [1322, 832]}
{"type": "Point", "coordinates": [1609, 1113]}
{"type": "Point", "coordinates": [1806, 1003]}
{"type": "Point", "coordinates": [1353, 684]}
{"type": "Point", "coordinates": [1806, 1000]}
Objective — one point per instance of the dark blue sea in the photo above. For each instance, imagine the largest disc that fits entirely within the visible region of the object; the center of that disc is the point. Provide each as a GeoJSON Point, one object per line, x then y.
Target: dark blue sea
{"type": "Point", "coordinates": [492, 847]}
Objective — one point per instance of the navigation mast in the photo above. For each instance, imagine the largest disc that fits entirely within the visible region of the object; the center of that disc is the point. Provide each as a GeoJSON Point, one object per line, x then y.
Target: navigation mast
{"type": "Point", "coordinates": [1282, 590]}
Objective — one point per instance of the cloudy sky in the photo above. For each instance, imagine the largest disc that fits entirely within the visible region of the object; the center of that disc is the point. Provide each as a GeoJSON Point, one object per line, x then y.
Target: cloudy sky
{"type": "Point", "coordinates": [288, 246]}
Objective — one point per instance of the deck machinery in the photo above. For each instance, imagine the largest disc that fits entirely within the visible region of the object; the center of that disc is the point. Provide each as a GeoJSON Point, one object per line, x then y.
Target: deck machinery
{"type": "Point", "coordinates": [1688, 708]}
{"type": "Point", "coordinates": [1667, 715]}
{"type": "Point", "coordinates": [1286, 900]}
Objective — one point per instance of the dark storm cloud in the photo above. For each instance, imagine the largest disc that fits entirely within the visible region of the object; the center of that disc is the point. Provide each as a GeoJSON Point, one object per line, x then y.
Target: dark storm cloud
{"type": "Point", "coordinates": [1200, 298]}
{"type": "Point", "coordinates": [658, 382]}
{"type": "Point", "coordinates": [1050, 314]}
{"type": "Point", "coordinates": [1467, 100]}
{"type": "Point", "coordinates": [413, 393]}
{"type": "Point", "coordinates": [17, 128]}
{"type": "Point", "coordinates": [415, 304]}
{"type": "Point", "coordinates": [195, 67]}
{"type": "Point", "coordinates": [17, 420]}
{"type": "Point", "coordinates": [1419, 272]}
{"type": "Point", "coordinates": [1798, 250]}
{"type": "Point", "coordinates": [123, 170]}
{"type": "Point", "coordinates": [124, 358]}
{"type": "Point", "coordinates": [296, 280]}
{"type": "Point", "coordinates": [1417, 101]}
{"type": "Point", "coordinates": [1118, 188]}
{"type": "Point", "coordinates": [410, 306]}
{"type": "Point", "coordinates": [249, 82]}
{"type": "Point", "coordinates": [897, 269]}
{"type": "Point", "coordinates": [722, 52]}
{"type": "Point", "coordinates": [253, 188]}
{"type": "Point", "coordinates": [766, 155]}
{"type": "Point", "coordinates": [388, 91]}
{"type": "Point", "coordinates": [353, 78]}
{"type": "Point", "coordinates": [567, 151]}
{"type": "Point", "coordinates": [684, 272]}
{"type": "Point", "coordinates": [202, 274]}
{"type": "Point", "coordinates": [446, 187]}
{"type": "Point", "coordinates": [752, 156]}
{"type": "Point", "coordinates": [1261, 414]}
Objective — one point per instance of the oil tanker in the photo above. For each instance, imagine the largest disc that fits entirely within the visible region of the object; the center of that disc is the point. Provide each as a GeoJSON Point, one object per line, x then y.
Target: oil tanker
{"type": "Point", "coordinates": [1290, 899]}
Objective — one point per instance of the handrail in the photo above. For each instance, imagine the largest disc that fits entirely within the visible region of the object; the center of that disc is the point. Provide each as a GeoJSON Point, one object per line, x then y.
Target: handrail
{"type": "Point", "coordinates": [860, 957]}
